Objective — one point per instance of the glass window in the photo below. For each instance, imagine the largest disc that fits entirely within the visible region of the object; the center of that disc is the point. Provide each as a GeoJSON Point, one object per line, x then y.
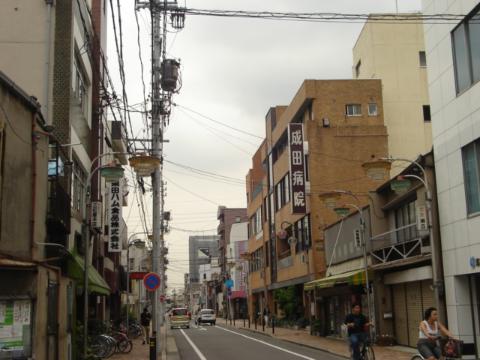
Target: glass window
{"type": "Point", "coordinates": [474, 44]}
{"type": "Point", "coordinates": [405, 220]}
{"type": "Point", "coordinates": [427, 116]}
{"type": "Point", "coordinates": [471, 174]}
{"type": "Point", "coordinates": [287, 188]}
{"type": "Point", "coordinates": [78, 183]}
{"type": "Point", "coordinates": [372, 109]}
{"type": "Point", "coordinates": [422, 58]}
{"type": "Point", "coordinates": [354, 110]}
{"type": "Point", "coordinates": [461, 61]}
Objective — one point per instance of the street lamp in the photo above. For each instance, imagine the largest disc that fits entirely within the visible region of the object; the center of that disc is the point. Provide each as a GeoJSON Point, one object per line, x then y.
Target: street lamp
{"type": "Point", "coordinates": [330, 198]}
{"type": "Point", "coordinates": [374, 168]}
{"type": "Point", "coordinates": [144, 165]}
{"type": "Point", "coordinates": [112, 172]}
{"type": "Point", "coordinates": [140, 244]}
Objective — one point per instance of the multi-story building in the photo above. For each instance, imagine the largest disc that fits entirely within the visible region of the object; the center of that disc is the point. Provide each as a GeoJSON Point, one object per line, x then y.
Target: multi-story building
{"type": "Point", "coordinates": [227, 217]}
{"type": "Point", "coordinates": [201, 249]}
{"type": "Point", "coordinates": [237, 270]}
{"type": "Point", "coordinates": [317, 143]}
{"type": "Point", "coordinates": [399, 258]}
{"type": "Point", "coordinates": [35, 317]}
{"type": "Point", "coordinates": [54, 51]}
{"type": "Point", "coordinates": [453, 77]}
{"type": "Point", "coordinates": [395, 53]}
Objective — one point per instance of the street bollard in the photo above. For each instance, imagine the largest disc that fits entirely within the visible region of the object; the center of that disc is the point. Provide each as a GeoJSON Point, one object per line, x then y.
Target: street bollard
{"type": "Point", "coordinates": [249, 322]}
{"type": "Point", "coordinates": [255, 323]}
{"type": "Point", "coordinates": [230, 321]}
{"type": "Point", "coordinates": [263, 325]}
{"type": "Point", "coordinates": [273, 325]}
{"type": "Point", "coordinates": [244, 322]}
{"type": "Point", "coordinates": [153, 346]}
{"type": "Point", "coordinates": [234, 321]}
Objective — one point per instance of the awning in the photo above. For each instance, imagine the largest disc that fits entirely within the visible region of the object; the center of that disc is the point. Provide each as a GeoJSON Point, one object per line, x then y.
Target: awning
{"type": "Point", "coordinates": [356, 277]}
{"type": "Point", "coordinates": [75, 270]}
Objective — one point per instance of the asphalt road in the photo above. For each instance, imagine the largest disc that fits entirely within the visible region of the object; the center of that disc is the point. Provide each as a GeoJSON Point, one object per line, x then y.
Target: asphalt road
{"type": "Point", "coordinates": [219, 343]}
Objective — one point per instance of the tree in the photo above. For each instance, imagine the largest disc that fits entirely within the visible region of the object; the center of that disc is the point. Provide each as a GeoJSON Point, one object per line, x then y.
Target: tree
{"type": "Point", "coordinates": [288, 301]}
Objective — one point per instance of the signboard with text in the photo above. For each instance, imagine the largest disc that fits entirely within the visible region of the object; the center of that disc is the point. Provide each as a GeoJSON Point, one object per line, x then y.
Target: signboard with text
{"type": "Point", "coordinates": [115, 222]}
{"type": "Point", "coordinates": [15, 323]}
{"type": "Point", "coordinates": [297, 168]}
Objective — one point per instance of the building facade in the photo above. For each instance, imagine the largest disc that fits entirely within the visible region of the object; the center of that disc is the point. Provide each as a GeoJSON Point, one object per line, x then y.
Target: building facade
{"type": "Point", "coordinates": [453, 74]}
{"type": "Point", "coordinates": [35, 316]}
{"type": "Point", "coordinates": [201, 249]}
{"type": "Point", "coordinates": [395, 53]}
{"type": "Point", "coordinates": [329, 129]}
{"type": "Point", "coordinates": [226, 218]}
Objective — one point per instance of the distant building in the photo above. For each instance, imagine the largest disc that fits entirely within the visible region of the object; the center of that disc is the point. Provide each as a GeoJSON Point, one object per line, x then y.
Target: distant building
{"type": "Point", "coordinates": [238, 269]}
{"type": "Point", "coordinates": [395, 54]}
{"type": "Point", "coordinates": [227, 217]}
{"type": "Point", "coordinates": [201, 249]}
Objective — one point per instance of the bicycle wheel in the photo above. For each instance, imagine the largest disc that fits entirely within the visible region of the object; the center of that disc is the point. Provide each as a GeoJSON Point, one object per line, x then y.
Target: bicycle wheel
{"type": "Point", "coordinates": [99, 347]}
{"type": "Point", "coordinates": [112, 345]}
{"type": "Point", "coordinates": [125, 346]}
{"type": "Point", "coordinates": [369, 353]}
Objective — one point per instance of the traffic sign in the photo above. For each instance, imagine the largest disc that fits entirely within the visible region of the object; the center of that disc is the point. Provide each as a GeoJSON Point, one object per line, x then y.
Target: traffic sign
{"type": "Point", "coordinates": [151, 281]}
{"type": "Point", "coordinates": [162, 298]}
{"type": "Point", "coordinates": [229, 283]}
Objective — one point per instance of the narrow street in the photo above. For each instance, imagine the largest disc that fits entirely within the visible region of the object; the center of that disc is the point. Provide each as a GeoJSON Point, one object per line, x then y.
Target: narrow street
{"type": "Point", "coordinates": [220, 343]}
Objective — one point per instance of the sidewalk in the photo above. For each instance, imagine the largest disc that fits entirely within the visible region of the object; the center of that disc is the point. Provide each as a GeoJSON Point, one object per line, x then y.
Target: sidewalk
{"type": "Point", "coordinates": [334, 346]}
{"type": "Point", "coordinates": [142, 352]}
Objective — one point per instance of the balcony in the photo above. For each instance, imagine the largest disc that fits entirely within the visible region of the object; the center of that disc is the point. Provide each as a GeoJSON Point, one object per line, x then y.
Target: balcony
{"type": "Point", "coordinates": [119, 141]}
{"type": "Point", "coordinates": [285, 259]}
{"type": "Point", "coordinates": [399, 244]}
{"type": "Point", "coordinates": [59, 210]}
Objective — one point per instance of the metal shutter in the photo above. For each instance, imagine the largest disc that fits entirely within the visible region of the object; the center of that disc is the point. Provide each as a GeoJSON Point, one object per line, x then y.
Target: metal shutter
{"type": "Point", "coordinates": [414, 310]}
{"type": "Point", "coordinates": [427, 294]}
{"type": "Point", "coordinates": [400, 314]}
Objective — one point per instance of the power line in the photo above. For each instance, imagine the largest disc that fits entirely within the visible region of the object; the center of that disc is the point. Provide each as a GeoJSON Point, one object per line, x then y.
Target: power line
{"type": "Point", "coordinates": [192, 193]}
{"type": "Point", "coordinates": [217, 122]}
{"type": "Point", "coordinates": [414, 18]}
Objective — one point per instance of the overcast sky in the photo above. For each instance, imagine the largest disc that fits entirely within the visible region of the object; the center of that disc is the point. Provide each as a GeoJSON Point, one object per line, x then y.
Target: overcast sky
{"type": "Point", "coordinates": [233, 70]}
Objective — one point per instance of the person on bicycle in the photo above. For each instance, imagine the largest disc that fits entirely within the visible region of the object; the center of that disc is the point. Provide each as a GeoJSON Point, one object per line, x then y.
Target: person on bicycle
{"type": "Point", "coordinates": [430, 331]}
{"type": "Point", "coordinates": [145, 319]}
{"type": "Point", "coordinates": [357, 324]}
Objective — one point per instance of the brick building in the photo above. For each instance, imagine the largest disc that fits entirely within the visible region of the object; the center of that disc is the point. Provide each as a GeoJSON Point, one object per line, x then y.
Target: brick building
{"type": "Point", "coordinates": [342, 123]}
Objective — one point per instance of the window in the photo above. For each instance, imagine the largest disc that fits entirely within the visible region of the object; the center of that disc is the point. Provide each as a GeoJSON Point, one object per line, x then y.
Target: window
{"type": "Point", "coordinates": [286, 182]}
{"type": "Point", "coordinates": [282, 192]}
{"type": "Point", "coordinates": [78, 183]}
{"type": "Point", "coordinates": [466, 51]}
{"type": "Point", "coordinates": [301, 231]}
{"type": "Point", "coordinates": [131, 264]}
{"type": "Point", "coordinates": [471, 157]}
{"type": "Point", "coordinates": [406, 219]}
{"type": "Point", "coordinates": [357, 68]}
{"type": "Point", "coordinates": [426, 113]}
{"type": "Point", "coordinates": [80, 87]}
{"type": "Point", "coordinates": [255, 226]}
{"type": "Point", "coordinates": [372, 109]}
{"type": "Point", "coordinates": [238, 219]}
{"type": "Point", "coordinates": [354, 110]}
{"type": "Point", "coordinates": [422, 58]}
{"type": "Point", "coordinates": [256, 262]}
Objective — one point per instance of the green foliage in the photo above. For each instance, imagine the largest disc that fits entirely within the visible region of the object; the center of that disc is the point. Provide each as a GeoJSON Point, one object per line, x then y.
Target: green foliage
{"type": "Point", "coordinates": [317, 326]}
{"type": "Point", "coordinates": [289, 302]}
{"type": "Point", "coordinates": [79, 344]}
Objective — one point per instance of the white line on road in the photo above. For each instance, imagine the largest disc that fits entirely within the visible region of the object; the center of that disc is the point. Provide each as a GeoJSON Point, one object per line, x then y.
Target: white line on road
{"type": "Point", "coordinates": [266, 343]}
{"type": "Point", "coordinates": [199, 353]}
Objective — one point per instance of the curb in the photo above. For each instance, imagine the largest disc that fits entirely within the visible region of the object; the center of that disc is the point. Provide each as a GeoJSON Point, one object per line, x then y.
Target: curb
{"type": "Point", "coordinates": [290, 341]}
{"type": "Point", "coordinates": [171, 351]}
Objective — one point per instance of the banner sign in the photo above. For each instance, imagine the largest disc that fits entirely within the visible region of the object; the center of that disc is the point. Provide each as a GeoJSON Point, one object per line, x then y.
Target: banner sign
{"type": "Point", "coordinates": [115, 222]}
{"type": "Point", "coordinates": [297, 168]}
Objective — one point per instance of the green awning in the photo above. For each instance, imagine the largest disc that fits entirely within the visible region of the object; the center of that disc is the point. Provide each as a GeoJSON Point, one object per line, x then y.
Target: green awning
{"type": "Point", "coordinates": [96, 283]}
{"type": "Point", "coordinates": [356, 277]}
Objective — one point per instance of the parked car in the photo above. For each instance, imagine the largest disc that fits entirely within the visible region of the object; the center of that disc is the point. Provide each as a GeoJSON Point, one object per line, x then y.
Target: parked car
{"type": "Point", "coordinates": [206, 316]}
{"type": "Point", "coordinates": [179, 318]}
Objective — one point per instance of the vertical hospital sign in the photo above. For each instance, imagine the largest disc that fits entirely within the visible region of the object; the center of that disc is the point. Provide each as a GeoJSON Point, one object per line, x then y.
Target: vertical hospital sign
{"type": "Point", "coordinates": [297, 168]}
{"type": "Point", "coordinates": [115, 217]}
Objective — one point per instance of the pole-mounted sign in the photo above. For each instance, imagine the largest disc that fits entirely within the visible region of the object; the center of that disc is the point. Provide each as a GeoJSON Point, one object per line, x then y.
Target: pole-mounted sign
{"type": "Point", "coordinates": [151, 281]}
{"type": "Point", "coordinates": [297, 168]}
{"type": "Point", "coordinates": [115, 222]}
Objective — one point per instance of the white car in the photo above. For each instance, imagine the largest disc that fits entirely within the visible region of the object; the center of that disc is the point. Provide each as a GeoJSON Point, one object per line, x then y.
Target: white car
{"type": "Point", "coordinates": [206, 316]}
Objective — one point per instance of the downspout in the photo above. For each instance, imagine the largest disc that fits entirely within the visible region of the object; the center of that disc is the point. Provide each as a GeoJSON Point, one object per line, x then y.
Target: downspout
{"type": "Point", "coordinates": [33, 184]}
{"type": "Point", "coordinates": [46, 90]}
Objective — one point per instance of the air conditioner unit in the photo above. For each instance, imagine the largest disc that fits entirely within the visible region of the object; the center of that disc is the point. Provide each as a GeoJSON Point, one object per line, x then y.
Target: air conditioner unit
{"type": "Point", "coordinates": [357, 238]}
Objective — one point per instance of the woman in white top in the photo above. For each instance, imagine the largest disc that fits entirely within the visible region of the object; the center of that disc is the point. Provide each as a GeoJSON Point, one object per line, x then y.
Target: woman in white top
{"type": "Point", "coordinates": [430, 331]}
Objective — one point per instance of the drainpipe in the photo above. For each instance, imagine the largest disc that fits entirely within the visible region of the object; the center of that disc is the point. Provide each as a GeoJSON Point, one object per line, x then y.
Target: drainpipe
{"type": "Point", "coordinates": [33, 184]}
{"type": "Point", "coordinates": [48, 49]}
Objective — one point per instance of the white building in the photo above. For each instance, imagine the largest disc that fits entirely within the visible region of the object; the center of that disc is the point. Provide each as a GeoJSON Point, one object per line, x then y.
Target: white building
{"type": "Point", "coordinates": [453, 55]}
{"type": "Point", "coordinates": [238, 268]}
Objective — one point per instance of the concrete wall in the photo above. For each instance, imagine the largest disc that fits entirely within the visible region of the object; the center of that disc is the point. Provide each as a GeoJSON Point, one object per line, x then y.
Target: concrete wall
{"type": "Point", "coordinates": [456, 123]}
{"type": "Point", "coordinates": [390, 52]}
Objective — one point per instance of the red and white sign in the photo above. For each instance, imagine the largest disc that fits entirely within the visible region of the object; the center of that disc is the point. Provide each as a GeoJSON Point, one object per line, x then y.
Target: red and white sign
{"type": "Point", "coordinates": [297, 168]}
{"type": "Point", "coordinates": [162, 298]}
{"type": "Point", "coordinates": [137, 275]}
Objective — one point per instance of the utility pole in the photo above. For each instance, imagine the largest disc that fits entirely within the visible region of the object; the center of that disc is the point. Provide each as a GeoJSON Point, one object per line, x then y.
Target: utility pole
{"type": "Point", "coordinates": [157, 150]}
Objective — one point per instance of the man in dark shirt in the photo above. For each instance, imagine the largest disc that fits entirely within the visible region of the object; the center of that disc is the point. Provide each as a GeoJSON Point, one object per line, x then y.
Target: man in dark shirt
{"type": "Point", "coordinates": [145, 321]}
{"type": "Point", "coordinates": [357, 324]}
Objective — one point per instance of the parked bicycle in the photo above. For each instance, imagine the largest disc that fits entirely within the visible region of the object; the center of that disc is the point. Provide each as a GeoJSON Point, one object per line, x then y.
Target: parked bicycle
{"type": "Point", "coordinates": [105, 345]}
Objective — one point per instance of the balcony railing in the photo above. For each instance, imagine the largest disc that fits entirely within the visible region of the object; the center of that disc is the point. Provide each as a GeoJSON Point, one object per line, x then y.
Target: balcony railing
{"type": "Point", "coordinates": [59, 209]}
{"type": "Point", "coordinates": [399, 244]}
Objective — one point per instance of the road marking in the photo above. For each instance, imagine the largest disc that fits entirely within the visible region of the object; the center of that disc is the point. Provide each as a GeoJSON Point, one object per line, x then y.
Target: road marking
{"type": "Point", "coordinates": [199, 353]}
{"type": "Point", "coordinates": [266, 343]}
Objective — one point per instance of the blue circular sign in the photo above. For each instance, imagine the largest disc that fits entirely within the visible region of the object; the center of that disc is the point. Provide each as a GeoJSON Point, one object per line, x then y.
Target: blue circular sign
{"type": "Point", "coordinates": [151, 281]}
